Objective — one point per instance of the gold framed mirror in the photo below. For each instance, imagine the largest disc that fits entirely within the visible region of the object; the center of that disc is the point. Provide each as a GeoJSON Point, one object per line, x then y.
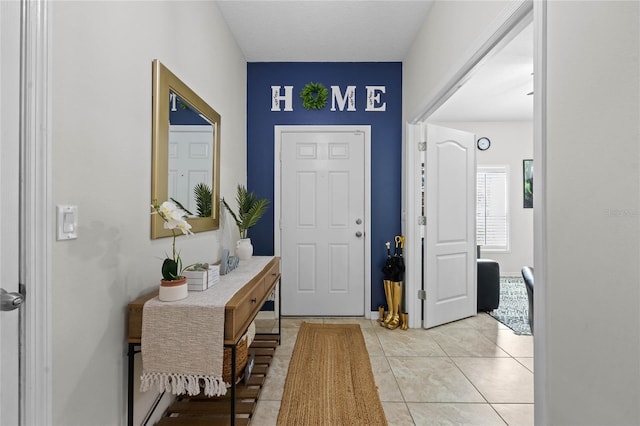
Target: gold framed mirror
{"type": "Point", "coordinates": [185, 165]}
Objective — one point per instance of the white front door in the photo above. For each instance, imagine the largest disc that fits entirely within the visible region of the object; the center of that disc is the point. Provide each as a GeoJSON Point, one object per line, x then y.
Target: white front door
{"type": "Point", "coordinates": [449, 254]}
{"type": "Point", "coordinates": [9, 204]}
{"type": "Point", "coordinates": [322, 222]}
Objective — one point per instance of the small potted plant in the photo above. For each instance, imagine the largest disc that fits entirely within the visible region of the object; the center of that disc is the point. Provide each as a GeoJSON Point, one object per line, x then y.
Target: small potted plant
{"type": "Point", "coordinates": [173, 286]}
{"type": "Point", "coordinates": [250, 210]}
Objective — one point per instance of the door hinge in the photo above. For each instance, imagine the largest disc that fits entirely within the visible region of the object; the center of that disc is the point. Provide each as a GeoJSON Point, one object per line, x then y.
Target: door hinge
{"type": "Point", "coordinates": [422, 146]}
{"type": "Point", "coordinates": [422, 220]}
{"type": "Point", "coordinates": [422, 295]}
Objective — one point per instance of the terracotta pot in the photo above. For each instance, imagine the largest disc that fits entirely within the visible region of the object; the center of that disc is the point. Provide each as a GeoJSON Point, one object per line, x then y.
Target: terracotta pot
{"type": "Point", "coordinates": [172, 290]}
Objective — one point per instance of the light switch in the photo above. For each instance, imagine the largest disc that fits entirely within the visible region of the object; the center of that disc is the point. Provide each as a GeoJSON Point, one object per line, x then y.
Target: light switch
{"type": "Point", "coordinates": [67, 222]}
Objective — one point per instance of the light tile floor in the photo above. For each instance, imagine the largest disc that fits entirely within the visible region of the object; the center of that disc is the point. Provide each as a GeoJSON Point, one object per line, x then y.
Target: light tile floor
{"type": "Point", "coordinates": [474, 372]}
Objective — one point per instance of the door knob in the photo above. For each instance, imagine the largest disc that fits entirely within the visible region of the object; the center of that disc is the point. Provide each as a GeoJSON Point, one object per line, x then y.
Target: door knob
{"type": "Point", "coordinates": [358, 234]}
{"type": "Point", "coordinates": [358, 221]}
{"type": "Point", "coordinates": [10, 301]}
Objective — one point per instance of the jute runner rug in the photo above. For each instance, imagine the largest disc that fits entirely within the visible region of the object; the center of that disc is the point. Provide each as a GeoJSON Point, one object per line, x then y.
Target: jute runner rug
{"type": "Point", "coordinates": [330, 381]}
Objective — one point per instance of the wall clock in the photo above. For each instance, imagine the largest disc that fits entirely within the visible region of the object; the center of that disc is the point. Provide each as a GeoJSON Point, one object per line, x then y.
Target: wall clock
{"type": "Point", "coordinates": [484, 144]}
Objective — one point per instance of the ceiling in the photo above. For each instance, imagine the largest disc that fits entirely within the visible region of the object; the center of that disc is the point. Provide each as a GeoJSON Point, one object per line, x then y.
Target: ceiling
{"type": "Point", "coordinates": [501, 89]}
{"type": "Point", "coordinates": [326, 30]}
{"type": "Point", "coordinates": [379, 31]}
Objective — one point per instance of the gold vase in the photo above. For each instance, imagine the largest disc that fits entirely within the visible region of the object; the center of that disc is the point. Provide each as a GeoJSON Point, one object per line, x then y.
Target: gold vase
{"type": "Point", "coordinates": [396, 294]}
{"type": "Point", "coordinates": [388, 288]}
{"type": "Point", "coordinates": [404, 321]}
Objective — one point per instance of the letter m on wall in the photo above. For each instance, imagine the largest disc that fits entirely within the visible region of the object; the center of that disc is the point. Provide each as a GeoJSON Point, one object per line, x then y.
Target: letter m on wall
{"type": "Point", "coordinates": [349, 98]}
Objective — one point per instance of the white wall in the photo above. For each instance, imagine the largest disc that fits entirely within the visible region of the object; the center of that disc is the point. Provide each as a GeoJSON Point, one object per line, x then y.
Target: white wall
{"type": "Point", "coordinates": [588, 326]}
{"type": "Point", "coordinates": [592, 296]}
{"type": "Point", "coordinates": [511, 142]}
{"type": "Point", "coordinates": [448, 32]}
{"type": "Point", "coordinates": [101, 123]}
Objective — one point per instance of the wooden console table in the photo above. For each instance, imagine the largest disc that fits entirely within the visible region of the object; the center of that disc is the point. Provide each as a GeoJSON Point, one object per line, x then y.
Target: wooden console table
{"type": "Point", "coordinates": [261, 275]}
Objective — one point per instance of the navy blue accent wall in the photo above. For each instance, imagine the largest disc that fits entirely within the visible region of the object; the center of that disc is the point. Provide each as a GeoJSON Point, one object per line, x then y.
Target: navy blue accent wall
{"type": "Point", "coordinates": [184, 115]}
{"type": "Point", "coordinates": [386, 141]}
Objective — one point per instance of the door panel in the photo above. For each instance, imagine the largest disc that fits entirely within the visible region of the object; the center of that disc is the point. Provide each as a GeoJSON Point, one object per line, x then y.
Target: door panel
{"type": "Point", "coordinates": [449, 260]}
{"type": "Point", "coordinates": [306, 268]}
{"type": "Point", "coordinates": [9, 214]}
{"type": "Point", "coordinates": [339, 268]}
{"type": "Point", "coordinates": [322, 222]}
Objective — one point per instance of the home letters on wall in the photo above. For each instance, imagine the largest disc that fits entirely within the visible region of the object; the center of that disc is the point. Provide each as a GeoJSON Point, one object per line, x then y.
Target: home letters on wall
{"type": "Point", "coordinates": [282, 98]}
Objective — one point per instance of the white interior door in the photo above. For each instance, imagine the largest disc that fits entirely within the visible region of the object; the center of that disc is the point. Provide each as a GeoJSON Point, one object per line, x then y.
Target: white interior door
{"type": "Point", "coordinates": [449, 255]}
{"type": "Point", "coordinates": [9, 214]}
{"type": "Point", "coordinates": [322, 221]}
{"type": "Point", "coordinates": [190, 162]}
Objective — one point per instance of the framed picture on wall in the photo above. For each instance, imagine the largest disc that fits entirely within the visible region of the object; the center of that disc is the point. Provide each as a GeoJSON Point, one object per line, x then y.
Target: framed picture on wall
{"type": "Point", "coordinates": [527, 184]}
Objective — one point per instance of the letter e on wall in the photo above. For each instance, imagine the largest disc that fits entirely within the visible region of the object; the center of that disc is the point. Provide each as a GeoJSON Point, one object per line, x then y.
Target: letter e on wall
{"type": "Point", "coordinates": [373, 98]}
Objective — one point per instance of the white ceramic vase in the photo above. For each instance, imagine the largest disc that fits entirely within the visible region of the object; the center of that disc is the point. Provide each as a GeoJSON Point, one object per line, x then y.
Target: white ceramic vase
{"type": "Point", "coordinates": [170, 291]}
{"type": "Point", "coordinates": [244, 249]}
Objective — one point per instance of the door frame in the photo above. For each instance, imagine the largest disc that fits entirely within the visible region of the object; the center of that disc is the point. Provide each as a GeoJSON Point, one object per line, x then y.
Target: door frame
{"type": "Point", "coordinates": [277, 240]}
{"type": "Point", "coordinates": [36, 213]}
{"type": "Point", "coordinates": [514, 17]}
{"type": "Point", "coordinates": [498, 33]}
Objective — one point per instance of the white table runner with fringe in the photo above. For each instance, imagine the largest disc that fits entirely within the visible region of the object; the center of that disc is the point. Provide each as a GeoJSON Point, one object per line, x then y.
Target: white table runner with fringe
{"type": "Point", "coordinates": [182, 342]}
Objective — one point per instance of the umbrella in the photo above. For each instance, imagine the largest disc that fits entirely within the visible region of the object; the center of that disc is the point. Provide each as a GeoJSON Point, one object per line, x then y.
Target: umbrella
{"type": "Point", "coordinates": [393, 271]}
{"type": "Point", "coordinates": [388, 271]}
{"type": "Point", "coordinates": [398, 260]}
{"type": "Point", "coordinates": [388, 268]}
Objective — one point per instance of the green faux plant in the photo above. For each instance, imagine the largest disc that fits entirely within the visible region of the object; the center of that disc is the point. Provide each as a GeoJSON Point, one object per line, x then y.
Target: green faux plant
{"type": "Point", "coordinates": [250, 209]}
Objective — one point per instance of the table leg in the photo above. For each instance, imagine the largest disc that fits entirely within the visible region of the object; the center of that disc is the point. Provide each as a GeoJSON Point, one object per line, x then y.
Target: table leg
{"type": "Point", "coordinates": [233, 385]}
{"type": "Point", "coordinates": [131, 354]}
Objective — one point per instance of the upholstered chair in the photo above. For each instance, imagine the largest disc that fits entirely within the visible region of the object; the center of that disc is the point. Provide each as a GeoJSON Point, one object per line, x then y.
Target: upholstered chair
{"type": "Point", "coordinates": [527, 274]}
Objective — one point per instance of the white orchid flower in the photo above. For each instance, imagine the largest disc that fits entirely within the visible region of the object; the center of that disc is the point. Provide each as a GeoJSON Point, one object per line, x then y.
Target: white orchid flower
{"type": "Point", "coordinates": [173, 218]}
{"type": "Point", "coordinates": [185, 227]}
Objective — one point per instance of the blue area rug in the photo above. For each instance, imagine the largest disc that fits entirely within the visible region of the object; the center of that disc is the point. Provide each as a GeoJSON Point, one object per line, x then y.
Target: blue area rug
{"type": "Point", "coordinates": [513, 310]}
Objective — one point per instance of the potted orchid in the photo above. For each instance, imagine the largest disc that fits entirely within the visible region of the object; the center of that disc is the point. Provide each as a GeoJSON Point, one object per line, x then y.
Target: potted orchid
{"type": "Point", "coordinates": [173, 285]}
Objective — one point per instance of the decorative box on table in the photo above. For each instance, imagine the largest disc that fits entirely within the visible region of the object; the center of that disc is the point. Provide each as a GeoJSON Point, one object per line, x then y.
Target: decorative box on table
{"type": "Point", "coordinates": [201, 280]}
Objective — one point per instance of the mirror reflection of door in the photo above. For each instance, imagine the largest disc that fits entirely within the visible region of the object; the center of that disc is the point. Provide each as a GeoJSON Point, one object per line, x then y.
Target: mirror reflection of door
{"type": "Point", "coordinates": [190, 155]}
{"type": "Point", "coordinates": [190, 159]}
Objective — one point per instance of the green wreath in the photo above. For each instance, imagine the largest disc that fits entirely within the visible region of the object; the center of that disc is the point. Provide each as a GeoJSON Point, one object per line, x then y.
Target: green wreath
{"type": "Point", "coordinates": [314, 96]}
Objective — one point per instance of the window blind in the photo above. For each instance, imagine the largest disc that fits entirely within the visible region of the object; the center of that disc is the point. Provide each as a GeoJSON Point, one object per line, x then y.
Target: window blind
{"type": "Point", "coordinates": [492, 208]}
